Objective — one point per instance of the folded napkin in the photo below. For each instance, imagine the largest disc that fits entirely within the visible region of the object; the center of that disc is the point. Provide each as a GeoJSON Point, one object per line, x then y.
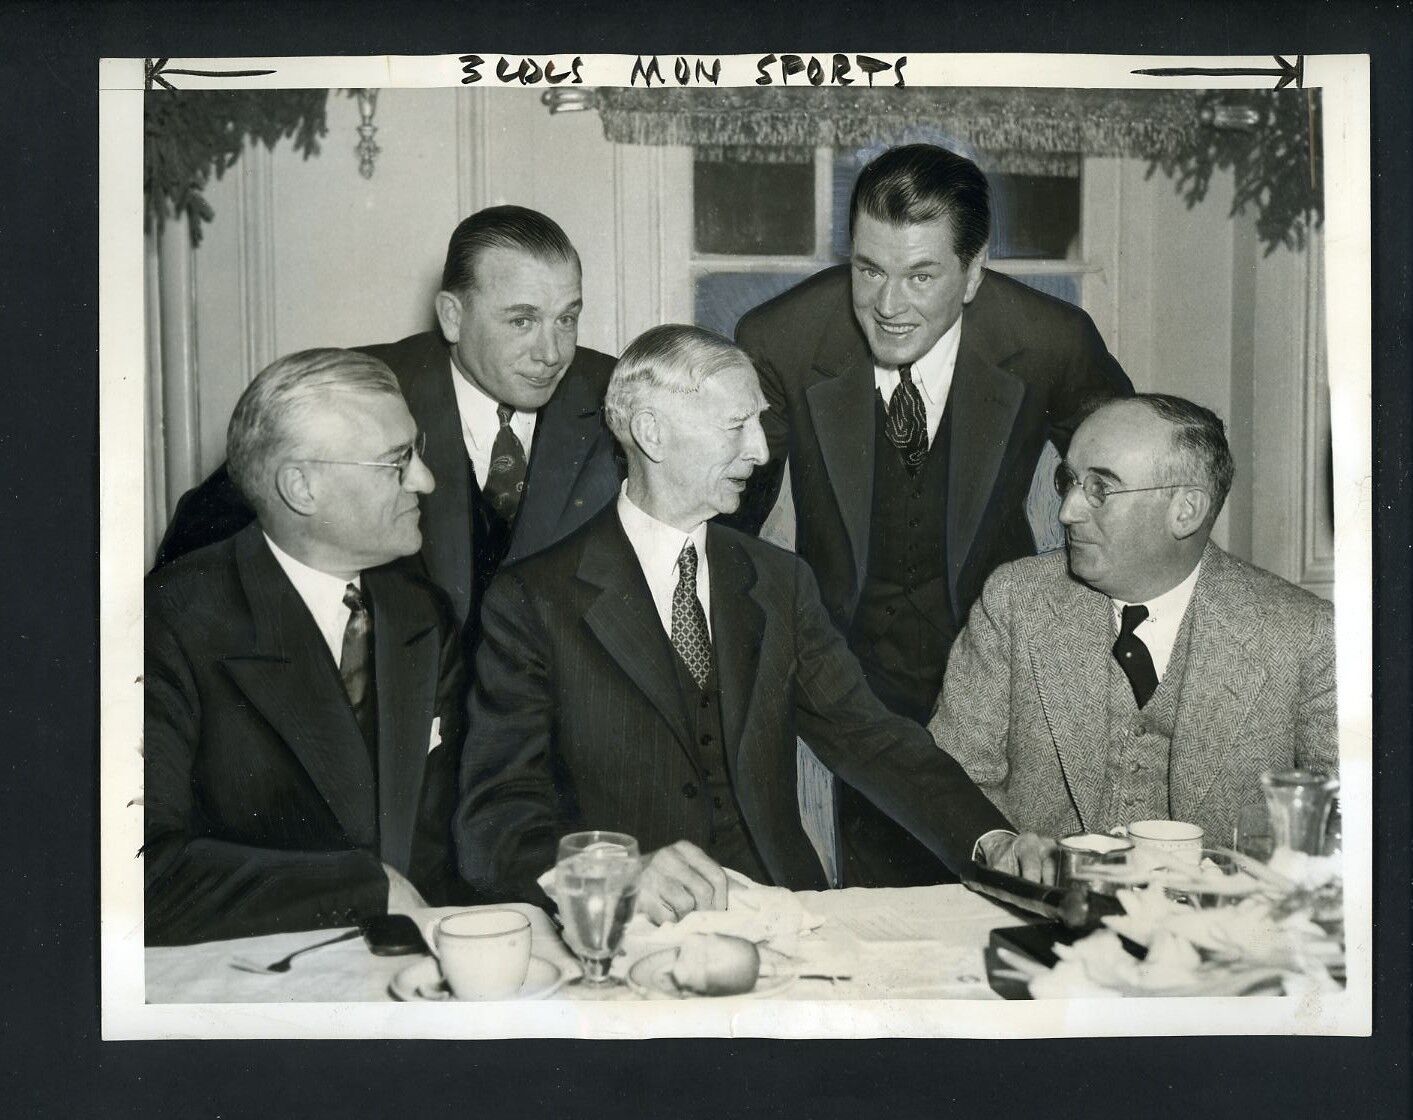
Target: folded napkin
{"type": "Point", "coordinates": [771, 916]}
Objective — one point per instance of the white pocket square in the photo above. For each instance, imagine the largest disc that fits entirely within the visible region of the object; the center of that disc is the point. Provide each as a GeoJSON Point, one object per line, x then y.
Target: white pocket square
{"type": "Point", "coordinates": [435, 739]}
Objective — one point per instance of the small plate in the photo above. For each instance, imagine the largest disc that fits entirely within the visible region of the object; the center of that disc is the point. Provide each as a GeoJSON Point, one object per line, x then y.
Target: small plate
{"type": "Point", "coordinates": [651, 976]}
{"type": "Point", "coordinates": [423, 981]}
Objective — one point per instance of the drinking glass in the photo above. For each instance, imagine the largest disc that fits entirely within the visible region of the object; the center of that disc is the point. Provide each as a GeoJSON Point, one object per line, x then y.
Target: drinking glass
{"type": "Point", "coordinates": [596, 888]}
{"type": "Point", "coordinates": [1252, 835]}
{"type": "Point", "coordinates": [1298, 802]}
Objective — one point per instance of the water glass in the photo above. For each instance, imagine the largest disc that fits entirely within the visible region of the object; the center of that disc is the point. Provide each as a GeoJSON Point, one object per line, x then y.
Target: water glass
{"type": "Point", "coordinates": [596, 890]}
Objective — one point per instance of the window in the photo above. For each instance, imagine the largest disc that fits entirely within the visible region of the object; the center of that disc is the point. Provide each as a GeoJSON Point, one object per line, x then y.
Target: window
{"type": "Point", "coordinates": [764, 219]}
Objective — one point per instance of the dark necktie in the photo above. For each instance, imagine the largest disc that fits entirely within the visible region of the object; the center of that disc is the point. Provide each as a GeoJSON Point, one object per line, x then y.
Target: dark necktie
{"type": "Point", "coordinates": [356, 665]}
{"type": "Point", "coordinates": [505, 480]}
{"type": "Point", "coordinates": [907, 421]}
{"type": "Point", "coordinates": [689, 628]}
{"type": "Point", "coordinates": [1133, 656]}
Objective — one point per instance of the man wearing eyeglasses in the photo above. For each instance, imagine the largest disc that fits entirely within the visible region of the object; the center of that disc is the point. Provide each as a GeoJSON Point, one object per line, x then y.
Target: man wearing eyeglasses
{"type": "Point", "coordinates": [510, 404]}
{"type": "Point", "coordinates": [1144, 673]}
{"type": "Point", "coordinates": [303, 694]}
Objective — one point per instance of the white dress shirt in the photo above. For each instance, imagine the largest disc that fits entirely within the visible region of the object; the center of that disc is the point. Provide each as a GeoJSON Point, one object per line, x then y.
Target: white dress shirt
{"type": "Point", "coordinates": [932, 374]}
{"type": "Point", "coordinates": [479, 423]}
{"type": "Point", "coordinates": [1160, 629]}
{"type": "Point", "coordinates": [657, 546]}
{"type": "Point", "coordinates": [322, 594]}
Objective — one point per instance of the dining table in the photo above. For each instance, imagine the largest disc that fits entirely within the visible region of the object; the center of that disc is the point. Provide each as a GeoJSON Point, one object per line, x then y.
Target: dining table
{"type": "Point", "coordinates": [867, 944]}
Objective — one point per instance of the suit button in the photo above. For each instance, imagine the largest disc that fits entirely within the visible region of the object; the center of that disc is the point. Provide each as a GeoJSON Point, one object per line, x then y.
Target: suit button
{"type": "Point", "coordinates": [1135, 766]}
{"type": "Point", "coordinates": [706, 772]}
{"type": "Point", "coordinates": [716, 801]}
{"type": "Point", "coordinates": [889, 611]}
{"type": "Point", "coordinates": [706, 739]}
{"type": "Point", "coordinates": [706, 700]}
{"type": "Point", "coordinates": [913, 523]}
{"type": "Point", "coordinates": [689, 790]}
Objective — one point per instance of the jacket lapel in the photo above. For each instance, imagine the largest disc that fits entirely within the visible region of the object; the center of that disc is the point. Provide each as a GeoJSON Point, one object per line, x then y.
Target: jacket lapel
{"type": "Point", "coordinates": [1222, 680]}
{"type": "Point", "coordinates": [985, 400]}
{"type": "Point", "coordinates": [625, 622]}
{"type": "Point", "coordinates": [737, 627]}
{"type": "Point", "coordinates": [841, 408]}
{"type": "Point", "coordinates": [406, 649]}
{"type": "Point", "coordinates": [446, 511]}
{"type": "Point", "coordinates": [1069, 662]}
{"type": "Point", "coordinates": [292, 681]}
{"type": "Point", "coordinates": [567, 431]}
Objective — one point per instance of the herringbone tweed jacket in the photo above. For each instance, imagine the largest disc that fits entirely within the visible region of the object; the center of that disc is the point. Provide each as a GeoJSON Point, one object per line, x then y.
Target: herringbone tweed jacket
{"type": "Point", "coordinates": [1024, 706]}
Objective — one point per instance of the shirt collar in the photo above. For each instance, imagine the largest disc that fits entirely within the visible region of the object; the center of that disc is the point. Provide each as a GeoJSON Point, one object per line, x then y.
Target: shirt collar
{"type": "Point", "coordinates": [477, 408]}
{"type": "Point", "coordinates": [657, 544]}
{"type": "Point", "coordinates": [932, 373]}
{"type": "Point", "coordinates": [319, 590]}
{"type": "Point", "coordinates": [1171, 605]}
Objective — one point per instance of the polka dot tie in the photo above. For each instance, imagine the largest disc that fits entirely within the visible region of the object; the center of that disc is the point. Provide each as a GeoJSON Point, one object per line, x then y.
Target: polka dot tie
{"type": "Point", "coordinates": [689, 628]}
{"type": "Point", "coordinates": [1133, 656]}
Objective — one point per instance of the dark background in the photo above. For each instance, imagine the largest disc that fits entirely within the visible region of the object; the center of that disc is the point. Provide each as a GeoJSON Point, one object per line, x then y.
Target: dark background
{"type": "Point", "coordinates": [51, 1059]}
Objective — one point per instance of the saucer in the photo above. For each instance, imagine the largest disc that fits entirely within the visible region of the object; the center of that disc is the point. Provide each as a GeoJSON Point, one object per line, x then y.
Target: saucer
{"type": "Point", "coordinates": [651, 976]}
{"type": "Point", "coordinates": [423, 981]}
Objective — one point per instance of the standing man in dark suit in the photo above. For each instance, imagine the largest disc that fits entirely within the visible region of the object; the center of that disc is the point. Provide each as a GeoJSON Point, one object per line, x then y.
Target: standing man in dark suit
{"type": "Point", "coordinates": [303, 700]}
{"type": "Point", "coordinates": [649, 673]}
{"type": "Point", "coordinates": [510, 405]}
{"type": "Point", "coordinates": [912, 392]}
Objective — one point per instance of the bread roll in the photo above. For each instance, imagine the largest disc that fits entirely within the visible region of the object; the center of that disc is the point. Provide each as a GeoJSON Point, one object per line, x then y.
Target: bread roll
{"type": "Point", "coordinates": [715, 964]}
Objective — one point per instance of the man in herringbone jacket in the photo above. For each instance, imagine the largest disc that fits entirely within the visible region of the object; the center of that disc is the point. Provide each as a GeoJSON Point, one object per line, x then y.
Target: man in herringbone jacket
{"type": "Point", "coordinates": [1143, 673]}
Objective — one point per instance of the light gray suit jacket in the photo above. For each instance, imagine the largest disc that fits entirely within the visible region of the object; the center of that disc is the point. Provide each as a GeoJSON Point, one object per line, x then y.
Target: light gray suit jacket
{"type": "Point", "coordinates": [1024, 707]}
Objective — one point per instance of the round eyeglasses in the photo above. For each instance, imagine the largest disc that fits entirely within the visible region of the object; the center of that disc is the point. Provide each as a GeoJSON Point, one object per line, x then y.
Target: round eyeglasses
{"type": "Point", "coordinates": [1097, 491]}
{"type": "Point", "coordinates": [402, 463]}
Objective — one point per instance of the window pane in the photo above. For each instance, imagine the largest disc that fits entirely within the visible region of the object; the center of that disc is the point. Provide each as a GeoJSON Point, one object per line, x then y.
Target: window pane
{"type": "Point", "coordinates": [1035, 217]}
{"type": "Point", "coordinates": [754, 201]}
{"type": "Point", "coordinates": [723, 297]}
{"type": "Point", "coordinates": [1063, 286]}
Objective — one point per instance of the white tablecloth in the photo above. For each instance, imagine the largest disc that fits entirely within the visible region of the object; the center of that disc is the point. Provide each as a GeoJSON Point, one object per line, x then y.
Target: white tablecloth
{"type": "Point", "coordinates": [922, 942]}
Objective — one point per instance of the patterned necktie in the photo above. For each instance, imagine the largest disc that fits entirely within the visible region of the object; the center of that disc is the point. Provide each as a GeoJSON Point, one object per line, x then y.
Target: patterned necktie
{"type": "Point", "coordinates": [356, 665]}
{"type": "Point", "coordinates": [907, 421]}
{"type": "Point", "coordinates": [505, 480]}
{"type": "Point", "coordinates": [689, 628]}
{"type": "Point", "coordinates": [1133, 656]}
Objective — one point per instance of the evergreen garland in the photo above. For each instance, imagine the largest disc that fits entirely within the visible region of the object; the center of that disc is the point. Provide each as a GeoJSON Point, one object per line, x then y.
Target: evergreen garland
{"type": "Point", "coordinates": [192, 133]}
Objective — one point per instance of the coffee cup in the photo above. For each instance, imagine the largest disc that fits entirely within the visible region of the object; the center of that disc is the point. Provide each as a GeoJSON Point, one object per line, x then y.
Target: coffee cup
{"type": "Point", "coordinates": [1164, 843]}
{"type": "Point", "coordinates": [1081, 853]}
{"type": "Point", "coordinates": [484, 954]}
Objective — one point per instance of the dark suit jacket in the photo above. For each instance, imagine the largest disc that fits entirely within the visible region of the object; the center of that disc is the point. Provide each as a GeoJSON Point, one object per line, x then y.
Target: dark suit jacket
{"type": "Point", "coordinates": [260, 807]}
{"type": "Point", "coordinates": [577, 717]}
{"type": "Point", "coordinates": [1025, 364]}
{"type": "Point", "coordinates": [573, 472]}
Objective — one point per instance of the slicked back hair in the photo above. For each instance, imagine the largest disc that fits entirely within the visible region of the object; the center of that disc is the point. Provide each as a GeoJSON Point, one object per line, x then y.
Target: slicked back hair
{"type": "Point", "coordinates": [502, 227]}
{"type": "Point", "coordinates": [673, 358]}
{"type": "Point", "coordinates": [918, 183]}
{"type": "Point", "coordinates": [265, 424]}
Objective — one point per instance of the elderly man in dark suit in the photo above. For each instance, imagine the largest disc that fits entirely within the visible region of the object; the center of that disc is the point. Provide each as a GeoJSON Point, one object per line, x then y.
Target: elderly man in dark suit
{"type": "Point", "coordinates": [912, 392]}
{"type": "Point", "coordinates": [1144, 673]}
{"type": "Point", "coordinates": [649, 673]}
{"type": "Point", "coordinates": [304, 698]}
{"type": "Point", "coordinates": [509, 403]}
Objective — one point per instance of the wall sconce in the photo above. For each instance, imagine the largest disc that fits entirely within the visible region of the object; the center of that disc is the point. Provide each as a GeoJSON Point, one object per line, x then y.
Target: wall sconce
{"type": "Point", "coordinates": [367, 149]}
{"type": "Point", "coordinates": [559, 100]}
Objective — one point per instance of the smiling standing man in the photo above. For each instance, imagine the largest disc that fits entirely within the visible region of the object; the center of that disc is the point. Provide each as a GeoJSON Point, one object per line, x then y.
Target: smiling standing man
{"type": "Point", "coordinates": [649, 674]}
{"type": "Point", "coordinates": [1152, 675]}
{"type": "Point", "coordinates": [510, 404]}
{"type": "Point", "coordinates": [912, 392]}
{"type": "Point", "coordinates": [303, 695]}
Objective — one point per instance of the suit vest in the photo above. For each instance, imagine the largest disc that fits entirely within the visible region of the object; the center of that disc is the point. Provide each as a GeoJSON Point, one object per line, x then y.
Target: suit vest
{"type": "Point", "coordinates": [727, 839]}
{"type": "Point", "coordinates": [903, 627]}
{"type": "Point", "coordinates": [1139, 764]}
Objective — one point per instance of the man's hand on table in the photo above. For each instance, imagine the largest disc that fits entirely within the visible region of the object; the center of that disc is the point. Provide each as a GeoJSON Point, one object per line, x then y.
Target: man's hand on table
{"type": "Point", "coordinates": [403, 897]}
{"type": "Point", "coordinates": [678, 879]}
{"type": "Point", "coordinates": [1028, 855]}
